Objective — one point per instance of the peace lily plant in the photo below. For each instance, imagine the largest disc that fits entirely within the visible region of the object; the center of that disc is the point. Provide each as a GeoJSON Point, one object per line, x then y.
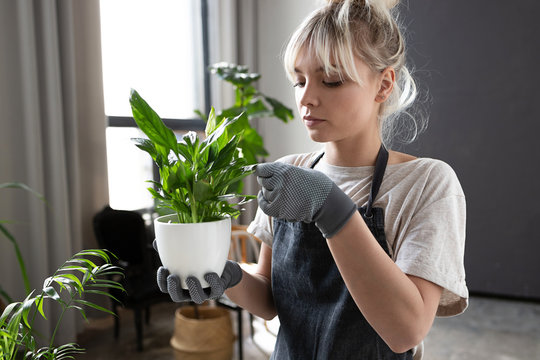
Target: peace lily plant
{"type": "Point", "coordinates": [199, 182]}
{"type": "Point", "coordinates": [196, 176]}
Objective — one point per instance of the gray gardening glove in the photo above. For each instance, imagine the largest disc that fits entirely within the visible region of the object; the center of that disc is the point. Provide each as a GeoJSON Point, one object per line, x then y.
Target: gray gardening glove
{"type": "Point", "coordinates": [170, 283]}
{"type": "Point", "coordinates": [301, 194]}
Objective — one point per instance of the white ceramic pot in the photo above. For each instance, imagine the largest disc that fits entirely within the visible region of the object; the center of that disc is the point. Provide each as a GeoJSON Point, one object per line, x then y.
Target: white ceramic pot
{"type": "Point", "coordinates": [192, 249]}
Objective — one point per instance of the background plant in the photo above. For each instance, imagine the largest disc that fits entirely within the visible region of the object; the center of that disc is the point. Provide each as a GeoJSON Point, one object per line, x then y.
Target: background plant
{"type": "Point", "coordinates": [197, 177]}
{"type": "Point", "coordinates": [253, 103]}
{"type": "Point", "coordinates": [77, 276]}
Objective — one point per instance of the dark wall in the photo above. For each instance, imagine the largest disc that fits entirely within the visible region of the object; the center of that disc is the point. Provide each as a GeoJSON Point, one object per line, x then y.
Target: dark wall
{"type": "Point", "coordinates": [480, 61]}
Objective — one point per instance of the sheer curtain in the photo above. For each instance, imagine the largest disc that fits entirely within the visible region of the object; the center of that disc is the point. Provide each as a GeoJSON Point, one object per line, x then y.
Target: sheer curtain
{"type": "Point", "coordinates": [52, 137]}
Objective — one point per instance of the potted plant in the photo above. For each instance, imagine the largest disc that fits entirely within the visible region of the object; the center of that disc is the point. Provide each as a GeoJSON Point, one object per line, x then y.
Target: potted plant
{"type": "Point", "coordinates": [79, 275]}
{"type": "Point", "coordinates": [198, 183]}
{"type": "Point", "coordinates": [64, 287]}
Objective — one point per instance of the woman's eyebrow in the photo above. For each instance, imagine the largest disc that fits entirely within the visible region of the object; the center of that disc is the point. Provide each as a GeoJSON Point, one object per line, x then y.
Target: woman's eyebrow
{"type": "Point", "coordinates": [298, 71]}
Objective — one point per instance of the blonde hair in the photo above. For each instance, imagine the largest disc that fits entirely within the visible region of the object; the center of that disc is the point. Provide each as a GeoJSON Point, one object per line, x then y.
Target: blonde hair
{"type": "Point", "coordinates": [342, 30]}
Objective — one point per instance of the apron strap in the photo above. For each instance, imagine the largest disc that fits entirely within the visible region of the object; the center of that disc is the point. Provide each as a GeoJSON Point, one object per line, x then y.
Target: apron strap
{"type": "Point", "coordinates": [378, 174]}
{"type": "Point", "coordinates": [317, 159]}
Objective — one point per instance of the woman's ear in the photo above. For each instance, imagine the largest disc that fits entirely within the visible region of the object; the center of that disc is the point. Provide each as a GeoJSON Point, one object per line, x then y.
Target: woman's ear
{"type": "Point", "coordinates": [387, 78]}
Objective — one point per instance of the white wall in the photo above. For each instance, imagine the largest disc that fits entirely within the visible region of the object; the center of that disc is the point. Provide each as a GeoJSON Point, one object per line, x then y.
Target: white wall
{"type": "Point", "coordinates": [277, 20]}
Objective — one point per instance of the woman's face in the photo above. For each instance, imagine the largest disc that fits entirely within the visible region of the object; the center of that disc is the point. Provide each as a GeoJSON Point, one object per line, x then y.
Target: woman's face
{"type": "Point", "coordinates": [335, 110]}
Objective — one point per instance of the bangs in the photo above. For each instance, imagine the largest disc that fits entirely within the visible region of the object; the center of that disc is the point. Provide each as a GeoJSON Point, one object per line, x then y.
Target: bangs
{"type": "Point", "coordinates": [320, 36]}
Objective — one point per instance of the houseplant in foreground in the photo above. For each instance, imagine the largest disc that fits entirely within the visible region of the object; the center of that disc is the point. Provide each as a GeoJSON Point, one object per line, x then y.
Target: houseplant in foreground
{"type": "Point", "coordinates": [77, 276]}
{"type": "Point", "coordinates": [197, 182]}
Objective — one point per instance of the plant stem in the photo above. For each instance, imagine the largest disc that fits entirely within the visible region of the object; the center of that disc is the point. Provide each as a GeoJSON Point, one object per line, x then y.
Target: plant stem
{"type": "Point", "coordinates": [194, 217]}
{"type": "Point", "coordinates": [241, 88]}
{"type": "Point", "coordinates": [64, 308]}
{"type": "Point", "coordinates": [20, 259]}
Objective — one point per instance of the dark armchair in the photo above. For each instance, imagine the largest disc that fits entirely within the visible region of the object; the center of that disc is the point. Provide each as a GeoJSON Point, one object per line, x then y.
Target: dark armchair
{"type": "Point", "coordinates": [125, 234]}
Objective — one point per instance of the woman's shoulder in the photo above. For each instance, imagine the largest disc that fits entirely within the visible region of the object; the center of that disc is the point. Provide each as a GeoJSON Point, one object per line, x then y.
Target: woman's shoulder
{"type": "Point", "coordinates": [435, 174]}
{"type": "Point", "coordinates": [433, 166]}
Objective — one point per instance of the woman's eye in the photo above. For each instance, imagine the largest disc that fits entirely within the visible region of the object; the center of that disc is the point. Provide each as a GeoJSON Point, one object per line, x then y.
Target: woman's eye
{"type": "Point", "coordinates": [299, 84]}
{"type": "Point", "coordinates": [333, 84]}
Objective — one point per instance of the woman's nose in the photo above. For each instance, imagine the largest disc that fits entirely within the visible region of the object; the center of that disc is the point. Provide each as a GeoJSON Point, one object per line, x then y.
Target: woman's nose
{"type": "Point", "coordinates": [308, 95]}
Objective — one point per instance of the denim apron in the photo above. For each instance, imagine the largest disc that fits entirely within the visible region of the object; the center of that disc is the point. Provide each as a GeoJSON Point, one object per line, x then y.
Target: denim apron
{"type": "Point", "coordinates": [318, 317]}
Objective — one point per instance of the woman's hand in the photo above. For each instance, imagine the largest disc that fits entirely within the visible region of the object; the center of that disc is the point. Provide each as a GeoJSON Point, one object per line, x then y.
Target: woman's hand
{"type": "Point", "coordinates": [170, 284]}
{"type": "Point", "coordinates": [300, 194]}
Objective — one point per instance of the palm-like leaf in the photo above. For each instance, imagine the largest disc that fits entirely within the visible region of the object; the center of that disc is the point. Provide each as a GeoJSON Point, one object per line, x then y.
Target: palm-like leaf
{"type": "Point", "coordinates": [81, 274]}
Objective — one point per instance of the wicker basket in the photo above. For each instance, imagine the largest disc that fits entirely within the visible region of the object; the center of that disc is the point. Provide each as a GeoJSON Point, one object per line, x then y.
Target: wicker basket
{"type": "Point", "coordinates": [210, 337]}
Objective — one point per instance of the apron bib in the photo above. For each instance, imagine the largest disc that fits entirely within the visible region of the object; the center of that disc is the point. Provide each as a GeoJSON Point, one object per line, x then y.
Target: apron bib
{"type": "Point", "coordinates": [318, 317]}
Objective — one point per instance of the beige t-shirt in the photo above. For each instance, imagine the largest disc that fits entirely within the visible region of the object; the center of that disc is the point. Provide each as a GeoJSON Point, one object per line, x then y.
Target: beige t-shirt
{"type": "Point", "coordinates": [424, 216]}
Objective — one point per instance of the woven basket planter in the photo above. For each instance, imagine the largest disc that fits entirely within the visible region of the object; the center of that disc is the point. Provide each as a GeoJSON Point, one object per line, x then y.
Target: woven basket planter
{"type": "Point", "coordinates": [210, 337]}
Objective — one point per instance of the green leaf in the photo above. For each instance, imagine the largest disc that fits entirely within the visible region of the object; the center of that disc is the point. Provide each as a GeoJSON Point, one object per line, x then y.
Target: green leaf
{"type": "Point", "coordinates": [25, 309]}
{"type": "Point", "coordinates": [93, 306]}
{"type": "Point", "coordinates": [244, 95]}
{"type": "Point", "coordinates": [8, 311]}
{"type": "Point", "coordinates": [151, 124]}
{"type": "Point", "coordinates": [72, 280]}
{"type": "Point", "coordinates": [202, 191]}
{"type": "Point", "coordinates": [256, 108]}
{"type": "Point", "coordinates": [102, 254]}
{"type": "Point", "coordinates": [235, 74]}
{"type": "Point", "coordinates": [184, 151]}
{"type": "Point", "coordinates": [201, 115]}
{"type": "Point", "coordinates": [280, 111]}
{"type": "Point", "coordinates": [225, 156]}
{"type": "Point", "coordinates": [22, 186]}
{"type": "Point", "coordinates": [221, 134]}
{"type": "Point", "coordinates": [211, 123]}
{"type": "Point", "coordinates": [102, 293]}
{"type": "Point", "coordinates": [231, 112]}
{"type": "Point", "coordinates": [51, 292]}
{"type": "Point", "coordinates": [20, 260]}
{"type": "Point", "coordinates": [252, 145]}
{"type": "Point", "coordinates": [82, 261]}
{"type": "Point", "coordinates": [80, 309]}
{"type": "Point", "coordinates": [146, 145]}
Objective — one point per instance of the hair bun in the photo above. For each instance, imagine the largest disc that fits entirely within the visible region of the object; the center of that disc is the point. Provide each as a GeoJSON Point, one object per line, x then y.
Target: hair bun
{"type": "Point", "coordinates": [387, 3]}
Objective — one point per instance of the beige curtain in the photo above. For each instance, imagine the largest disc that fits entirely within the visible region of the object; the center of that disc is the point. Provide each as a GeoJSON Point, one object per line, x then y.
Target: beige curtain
{"type": "Point", "coordinates": [52, 137]}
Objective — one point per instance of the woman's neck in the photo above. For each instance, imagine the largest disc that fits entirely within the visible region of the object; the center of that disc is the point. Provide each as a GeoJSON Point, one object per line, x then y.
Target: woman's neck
{"type": "Point", "coordinates": [352, 154]}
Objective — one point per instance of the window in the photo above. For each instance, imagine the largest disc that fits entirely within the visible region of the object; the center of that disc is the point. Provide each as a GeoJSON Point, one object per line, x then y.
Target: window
{"type": "Point", "coordinates": [156, 47]}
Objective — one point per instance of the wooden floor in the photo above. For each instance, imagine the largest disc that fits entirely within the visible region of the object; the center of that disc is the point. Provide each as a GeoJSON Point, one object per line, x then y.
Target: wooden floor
{"type": "Point", "coordinates": [489, 330]}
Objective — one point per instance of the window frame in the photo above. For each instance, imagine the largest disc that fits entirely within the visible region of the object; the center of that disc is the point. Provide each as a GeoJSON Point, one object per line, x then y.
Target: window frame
{"type": "Point", "coordinates": [179, 124]}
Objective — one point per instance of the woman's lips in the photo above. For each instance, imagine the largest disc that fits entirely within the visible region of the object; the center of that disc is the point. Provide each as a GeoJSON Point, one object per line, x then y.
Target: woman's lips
{"type": "Point", "coordinates": [311, 121]}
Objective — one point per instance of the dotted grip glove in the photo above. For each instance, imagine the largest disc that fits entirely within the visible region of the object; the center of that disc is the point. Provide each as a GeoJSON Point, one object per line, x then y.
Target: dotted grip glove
{"type": "Point", "coordinates": [170, 283]}
{"type": "Point", "coordinates": [300, 194]}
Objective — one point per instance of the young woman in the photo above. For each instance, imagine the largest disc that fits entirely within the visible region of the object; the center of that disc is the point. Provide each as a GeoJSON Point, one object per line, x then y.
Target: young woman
{"type": "Point", "coordinates": [362, 247]}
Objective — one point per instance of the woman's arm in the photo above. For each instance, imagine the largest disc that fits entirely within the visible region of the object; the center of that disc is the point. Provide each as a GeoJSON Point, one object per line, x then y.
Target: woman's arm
{"type": "Point", "coordinates": [254, 292]}
{"type": "Point", "coordinates": [400, 307]}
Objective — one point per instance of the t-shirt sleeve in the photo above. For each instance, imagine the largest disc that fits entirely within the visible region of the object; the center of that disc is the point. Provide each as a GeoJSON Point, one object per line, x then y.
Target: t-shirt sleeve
{"type": "Point", "coordinates": [434, 245]}
{"type": "Point", "coordinates": [261, 227]}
